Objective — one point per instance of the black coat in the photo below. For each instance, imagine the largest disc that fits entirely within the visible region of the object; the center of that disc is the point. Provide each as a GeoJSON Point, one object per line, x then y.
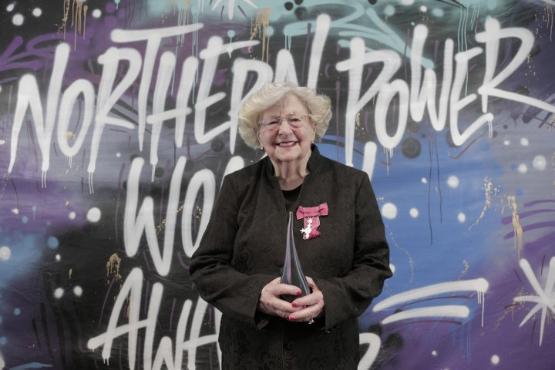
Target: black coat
{"type": "Point", "coordinates": [243, 249]}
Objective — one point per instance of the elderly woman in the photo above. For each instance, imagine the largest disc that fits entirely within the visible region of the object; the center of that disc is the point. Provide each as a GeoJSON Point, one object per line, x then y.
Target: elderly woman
{"type": "Point", "coordinates": [339, 239]}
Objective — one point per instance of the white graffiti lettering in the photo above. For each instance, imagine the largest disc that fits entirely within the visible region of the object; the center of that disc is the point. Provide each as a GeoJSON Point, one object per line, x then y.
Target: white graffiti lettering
{"type": "Point", "coordinates": [415, 98]}
{"type": "Point", "coordinates": [131, 291]}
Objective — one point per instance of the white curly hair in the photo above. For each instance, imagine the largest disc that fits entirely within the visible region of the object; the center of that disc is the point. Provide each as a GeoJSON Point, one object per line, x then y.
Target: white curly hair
{"type": "Point", "coordinates": [318, 106]}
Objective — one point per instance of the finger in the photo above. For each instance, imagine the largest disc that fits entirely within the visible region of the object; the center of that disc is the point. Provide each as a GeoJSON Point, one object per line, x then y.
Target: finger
{"type": "Point", "coordinates": [312, 283]}
{"type": "Point", "coordinates": [306, 314]}
{"type": "Point", "coordinates": [282, 314]}
{"type": "Point", "coordinates": [268, 288]}
{"type": "Point", "coordinates": [308, 300]}
{"type": "Point", "coordinates": [281, 305]}
{"type": "Point", "coordinates": [285, 289]}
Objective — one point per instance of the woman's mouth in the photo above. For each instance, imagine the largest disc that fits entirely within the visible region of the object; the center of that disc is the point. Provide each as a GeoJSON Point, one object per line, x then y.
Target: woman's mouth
{"type": "Point", "coordinates": [286, 144]}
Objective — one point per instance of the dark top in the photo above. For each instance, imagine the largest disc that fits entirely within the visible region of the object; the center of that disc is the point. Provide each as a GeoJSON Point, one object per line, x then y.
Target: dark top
{"type": "Point", "coordinates": [291, 197]}
{"type": "Point", "coordinates": [243, 249]}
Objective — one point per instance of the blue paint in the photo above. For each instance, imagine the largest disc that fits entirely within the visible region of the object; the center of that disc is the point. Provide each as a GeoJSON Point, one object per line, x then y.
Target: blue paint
{"type": "Point", "coordinates": [17, 311]}
{"type": "Point", "coordinates": [412, 250]}
{"type": "Point", "coordinates": [27, 250]}
{"type": "Point", "coordinates": [24, 219]}
{"type": "Point", "coordinates": [3, 341]}
{"type": "Point", "coordinates": [52, 242]}
{"type": "Point", "coordinates": [31, 365]}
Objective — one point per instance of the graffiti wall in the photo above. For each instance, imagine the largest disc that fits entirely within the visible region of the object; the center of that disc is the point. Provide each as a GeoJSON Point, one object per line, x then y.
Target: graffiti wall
{"type": "Point", "coordinates": [118, 121]}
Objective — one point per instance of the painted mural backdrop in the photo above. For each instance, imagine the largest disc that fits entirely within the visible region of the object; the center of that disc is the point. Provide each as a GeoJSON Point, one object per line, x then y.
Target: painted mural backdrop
{"type": "Point", "coordinates": [118, 122]}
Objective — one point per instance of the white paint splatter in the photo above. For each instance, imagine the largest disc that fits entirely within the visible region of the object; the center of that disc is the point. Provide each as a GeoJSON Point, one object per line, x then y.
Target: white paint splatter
{"type": "Point", "coordinates": [93, 215]}
{"type": "Point", "coordinates": [58, 258]}
{"type": "Point", "coordinates": [10, 7]}
{"type": "Point", "coordinates": [453, 182]}
{"type": "Point", "coordinates": [413, 212]}
{"type": "Point", "coordinates": [544, 297]}
{"type": "Point", "coordinates": [15, 211]}
{"type": "Point", "coordinates": [37, 12]}
{"type": "Point", "coordinates": [539, 162]}
{"type": "Point", "coordinates": [495, 360]}
{"type": "Point", "coordinates": [389, 211]}
{"type": "Point", "coordinates": [78, 291]}
{"type": "Point", "coordinates": [392, 267]}
{"type": "Point", "coordinates": [434, 353]}
{"type": "Point", "coordinates": [389, 10]}
{"type": "Point", "coordinates": [461, 217]}
{"type": "Point", "coordinates": [407, 2]}
{"type": "Point", "coordinates": [438, 12]}
{"type": "Point", "coordinates": [522, 168]}
{"type": "Point", "coordinates": [524, 141]}
{"type": "Point", "coordinates": [489, 192]}
{"type": "Point", "coordinates": [58, 293]}
{"type": "Point", "coordinates": [18, 19]}
{"type": "Point", "coordinates": [72, 215]}
{"type": "Point", "coordinates": [424, 180]}
{"type": "Point", "coordinates": [96, 13]}
{"type": "Point", "coordinates": [506, 142]}
{"type": "Point", "coordinates": [118, 154]}
{"type": "Point", "coordinates": [5, 253]}
{"type": "Point", "coordinates": [423, 8]}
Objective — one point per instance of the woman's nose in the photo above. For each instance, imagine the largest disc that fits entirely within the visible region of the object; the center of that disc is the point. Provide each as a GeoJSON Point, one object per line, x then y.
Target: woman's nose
{"type": "Point", "coordinates": [284, 126]}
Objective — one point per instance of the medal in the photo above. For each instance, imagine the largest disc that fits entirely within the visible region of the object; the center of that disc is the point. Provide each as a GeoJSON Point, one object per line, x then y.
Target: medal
{"type": "Point", "coordinates": [311, 219]}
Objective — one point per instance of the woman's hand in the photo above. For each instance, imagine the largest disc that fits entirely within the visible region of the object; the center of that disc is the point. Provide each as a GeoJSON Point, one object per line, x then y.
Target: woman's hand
{"type": "Point", "coordinates": [270, 301]}
{"type": "Point", "coordinates": [310, 306]}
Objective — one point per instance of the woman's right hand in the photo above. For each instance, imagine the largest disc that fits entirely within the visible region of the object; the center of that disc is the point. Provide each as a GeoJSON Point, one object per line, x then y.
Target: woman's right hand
{"type": "Point", "coordinates": [270, 301]}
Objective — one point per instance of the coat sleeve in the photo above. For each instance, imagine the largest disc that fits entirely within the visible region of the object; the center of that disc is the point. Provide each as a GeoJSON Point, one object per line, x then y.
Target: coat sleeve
{"type": "Point", "coordinates": [234, 293]}
{"type": "Point", "coordinates": [348, 296]}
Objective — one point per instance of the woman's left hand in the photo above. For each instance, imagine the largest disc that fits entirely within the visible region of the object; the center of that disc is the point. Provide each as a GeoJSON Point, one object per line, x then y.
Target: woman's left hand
{"type": "Point", "coordinates": [313, 304]}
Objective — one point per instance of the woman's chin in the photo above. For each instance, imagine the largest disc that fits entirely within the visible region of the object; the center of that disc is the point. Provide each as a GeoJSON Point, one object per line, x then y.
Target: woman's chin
{"type": "Point", "coordinates": [286, 154]}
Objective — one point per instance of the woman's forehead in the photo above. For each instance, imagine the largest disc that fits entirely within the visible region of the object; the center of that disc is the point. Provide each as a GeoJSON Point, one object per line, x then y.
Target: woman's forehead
{"type": "Point", "coordinates": [290, 104]}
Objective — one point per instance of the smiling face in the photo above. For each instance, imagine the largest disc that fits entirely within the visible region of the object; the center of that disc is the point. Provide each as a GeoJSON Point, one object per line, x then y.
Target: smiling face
{"type": "Point", "coordinates": [286, 131]}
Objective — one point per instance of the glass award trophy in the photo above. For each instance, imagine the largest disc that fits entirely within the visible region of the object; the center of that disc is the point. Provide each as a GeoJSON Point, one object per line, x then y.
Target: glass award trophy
{"type": "Point", "coordinates": [292, 271]}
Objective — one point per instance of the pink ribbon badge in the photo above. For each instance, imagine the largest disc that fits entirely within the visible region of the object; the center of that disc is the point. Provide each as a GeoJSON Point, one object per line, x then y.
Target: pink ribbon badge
{"type": "Point", "coordinates": [311, 217]}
